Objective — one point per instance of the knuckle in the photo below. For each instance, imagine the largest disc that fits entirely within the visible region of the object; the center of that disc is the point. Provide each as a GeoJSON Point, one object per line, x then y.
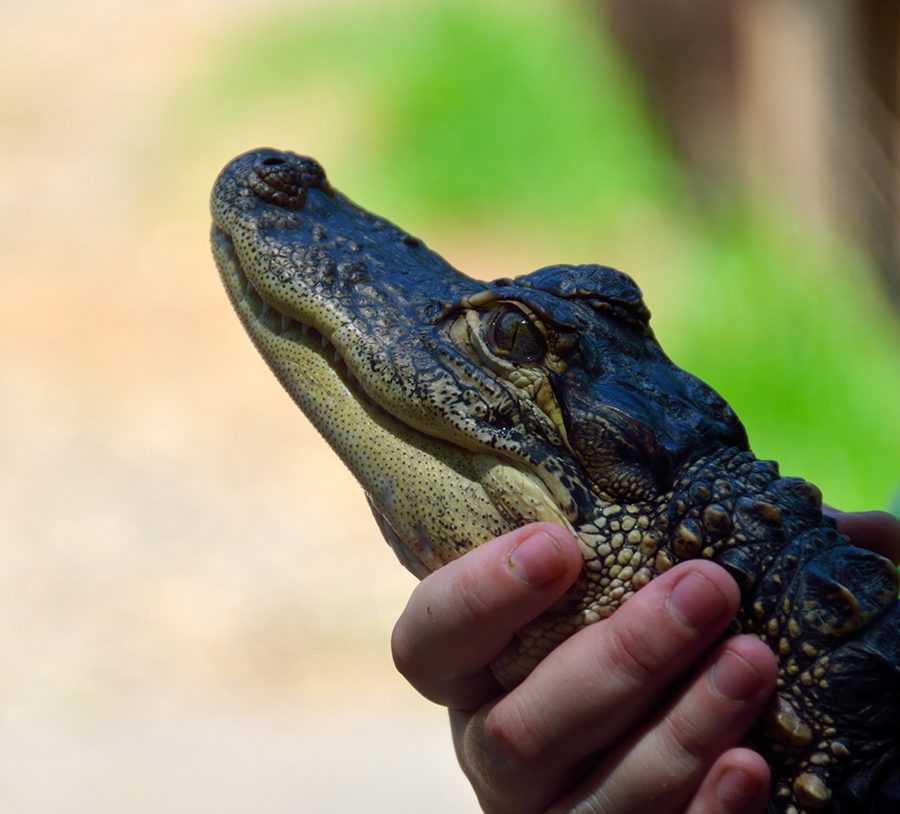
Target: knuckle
{"type": "Point", "coordinates": [596, 801]}
{"type": "Point", "coordinates": [689, 740]}
{"type": "Point", "coordinates": [403, 650]}
{"type": "Point", "coordinates": [509, 736]}
{"type": "Point", "coordinates": [633, 654]}
{"type": "Point", "coordinates": [466, 598]}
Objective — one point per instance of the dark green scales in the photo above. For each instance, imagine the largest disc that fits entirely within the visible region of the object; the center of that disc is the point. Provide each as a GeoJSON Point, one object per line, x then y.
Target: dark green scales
{"type": "Point", "coordinates": [468, 408]}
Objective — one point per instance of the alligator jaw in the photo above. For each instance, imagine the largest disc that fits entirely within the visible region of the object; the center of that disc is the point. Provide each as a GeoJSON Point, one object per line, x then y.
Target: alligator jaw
{"type": "Point", "coordinates": [313, 355]}
{"type": "Point", "coordinates": [299, 344]}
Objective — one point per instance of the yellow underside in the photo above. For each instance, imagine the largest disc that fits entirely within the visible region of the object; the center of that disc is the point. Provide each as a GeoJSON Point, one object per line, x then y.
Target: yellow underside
{"type": "Point", "coordinates": [438, 499]}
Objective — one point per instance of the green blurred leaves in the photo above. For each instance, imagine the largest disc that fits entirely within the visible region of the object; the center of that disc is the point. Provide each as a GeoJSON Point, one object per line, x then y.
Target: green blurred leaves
{"type": "Point", "coordinates": [793, 333]}
{"type": "Point", "coordinates": [526, 113]}
{"type": "Point", "coordinates": [458, 109]}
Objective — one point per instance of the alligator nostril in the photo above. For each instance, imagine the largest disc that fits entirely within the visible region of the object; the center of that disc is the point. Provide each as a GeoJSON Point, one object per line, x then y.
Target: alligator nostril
{"type": "Point", "coordinates": [284, 179]}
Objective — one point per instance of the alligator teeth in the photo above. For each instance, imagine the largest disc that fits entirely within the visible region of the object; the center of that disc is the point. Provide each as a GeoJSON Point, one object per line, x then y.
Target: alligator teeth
{"type": "Point", "coordinates": [287, 324]}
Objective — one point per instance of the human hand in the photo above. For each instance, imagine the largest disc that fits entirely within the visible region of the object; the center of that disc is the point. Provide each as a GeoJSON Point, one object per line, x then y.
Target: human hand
{"type": "Point", "coordinates": [628, 715]}
{"type": "Point", "coordinates": [878, 531]}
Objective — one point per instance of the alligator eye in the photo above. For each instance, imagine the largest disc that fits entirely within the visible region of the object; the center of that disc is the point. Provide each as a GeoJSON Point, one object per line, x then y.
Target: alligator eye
{"type": "Point", "coordinates": [514, 337]}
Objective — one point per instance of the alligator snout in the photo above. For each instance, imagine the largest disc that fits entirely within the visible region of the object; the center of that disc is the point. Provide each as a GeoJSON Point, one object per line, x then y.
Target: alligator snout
{"type": "Point", "coordinates": [283, 178]}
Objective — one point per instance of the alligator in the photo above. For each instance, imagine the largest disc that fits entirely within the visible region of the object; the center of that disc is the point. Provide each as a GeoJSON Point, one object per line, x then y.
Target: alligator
{"type": "Point", "coordinates": [468, 408]}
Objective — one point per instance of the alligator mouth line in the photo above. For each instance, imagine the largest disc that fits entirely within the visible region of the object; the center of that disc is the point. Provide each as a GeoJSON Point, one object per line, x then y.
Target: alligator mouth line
{"type": "Point", "coordinates": [260, 315]}
{"type": "Point", "coordinates": [378, 446]}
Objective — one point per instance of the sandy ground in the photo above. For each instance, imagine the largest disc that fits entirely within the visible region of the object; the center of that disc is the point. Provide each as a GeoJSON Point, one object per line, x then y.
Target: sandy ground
{"type": "Point", "coordinates": [195, 606]}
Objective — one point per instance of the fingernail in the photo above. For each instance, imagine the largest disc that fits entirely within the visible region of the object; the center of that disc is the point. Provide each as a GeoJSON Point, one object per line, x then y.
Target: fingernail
{"type": "Point", "coordinates": [736, 790]}
{"type": "Point", "coordinates": [537, 560]}
{"type": "Point", "coordinates": [697, 601]}
{"type": "Point", "coordinates": [734, 678]}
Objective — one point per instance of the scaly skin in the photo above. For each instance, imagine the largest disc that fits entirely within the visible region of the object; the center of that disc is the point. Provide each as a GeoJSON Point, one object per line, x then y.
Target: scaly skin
{"type": "Point", "coordinates": [466, 409]}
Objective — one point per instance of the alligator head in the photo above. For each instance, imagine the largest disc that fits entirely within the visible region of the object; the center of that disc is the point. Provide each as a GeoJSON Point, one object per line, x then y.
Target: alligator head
{"type": "Point", "coordinates": [543, 397]}
{"type": "Point", "coordinates": [467, 408]}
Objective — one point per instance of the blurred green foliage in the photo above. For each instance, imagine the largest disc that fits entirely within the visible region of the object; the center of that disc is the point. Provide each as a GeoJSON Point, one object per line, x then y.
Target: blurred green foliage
{"type": "Point", "coordinates": [469, 112]}
{"type": "Point", "coordinates": [794, 332]}
{"type": "Point", "coordinates": [462, 109]}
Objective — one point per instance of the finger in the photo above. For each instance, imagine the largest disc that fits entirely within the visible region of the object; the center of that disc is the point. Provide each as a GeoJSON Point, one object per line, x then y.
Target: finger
{"type": "Point", "coordinates": [660, 765]}
{"type": "Point", "coordinates": [738, 783]}
{"type": "Point", "coordinates": [597, 684]}
{"type": "Point", "coordinates": [595, 687]}
{"type": "Point", "coordinates": [878, 531]}
{"type": "Point", "coordinates": [460, 618]}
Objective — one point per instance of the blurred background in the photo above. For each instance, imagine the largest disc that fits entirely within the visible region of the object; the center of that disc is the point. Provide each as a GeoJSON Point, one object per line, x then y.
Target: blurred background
{"type": "Point", "coordinates": [195, 606]}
